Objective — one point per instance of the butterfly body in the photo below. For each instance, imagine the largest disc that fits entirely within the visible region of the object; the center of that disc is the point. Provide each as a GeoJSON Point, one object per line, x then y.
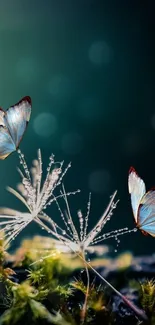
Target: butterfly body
{"type": "Point", "coordinates": [13, 124]}
{"type": "Point", "coordinates": [143, 203]}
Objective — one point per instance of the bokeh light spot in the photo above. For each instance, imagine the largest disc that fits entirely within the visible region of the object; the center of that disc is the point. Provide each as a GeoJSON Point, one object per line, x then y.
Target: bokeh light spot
{"type": "Point", "coordinates": [45, 124]}
{"type": "Point", "coordinates": [72, 143]}
{"type": "Point", "coordinates": [59, 86]}
{"type": "Point", "coordinates": [100, 53]}
{"type": "Point", "coordinates": [99, 181]}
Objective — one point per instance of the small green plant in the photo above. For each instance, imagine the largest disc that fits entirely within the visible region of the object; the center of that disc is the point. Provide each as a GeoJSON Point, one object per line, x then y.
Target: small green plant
{"type": "Point", "coordinates": [25, 303]}
{"type": "Point", "coordinates": [96, 302]}
{"type": "Point", "coordinates": [148, 295]}
{"type": "Point", "coordinates": [6, 283]}
{"type": "Point", "coordinates": [46, 272]}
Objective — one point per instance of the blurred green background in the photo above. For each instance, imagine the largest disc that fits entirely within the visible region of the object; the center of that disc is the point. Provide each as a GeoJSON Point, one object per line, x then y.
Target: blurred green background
{"type": "Point", "coordinates": [89, 68]}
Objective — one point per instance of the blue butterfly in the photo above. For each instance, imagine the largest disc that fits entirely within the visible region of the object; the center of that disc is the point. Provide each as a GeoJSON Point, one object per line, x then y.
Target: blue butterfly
{"type": "Point", "coordinates": [143, 203]}
{"type": "Point", "coordinates": [13, 124]}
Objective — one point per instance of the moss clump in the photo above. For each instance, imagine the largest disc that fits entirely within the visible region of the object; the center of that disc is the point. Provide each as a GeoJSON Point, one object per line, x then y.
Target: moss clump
{"type": "Point", "coordinates": [148, 295]}
{"type": "Point", "coordinates": [96, 299]}
{"type": "Point", "coordinates": [147, 298]}
{"type": "Point", "coordinates": [26, 305]}
{"type": "Point", "coordinates": [47, 294]}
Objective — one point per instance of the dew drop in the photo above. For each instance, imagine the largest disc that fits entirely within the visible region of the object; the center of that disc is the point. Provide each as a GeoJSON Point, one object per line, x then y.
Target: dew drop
{"type": "Point", "coordinates": [98, 229]}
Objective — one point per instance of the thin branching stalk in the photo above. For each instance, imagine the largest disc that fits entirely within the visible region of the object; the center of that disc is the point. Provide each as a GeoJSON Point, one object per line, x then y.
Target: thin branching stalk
{"type": "Point", "coordinates": [139, 312]}
{"type": "Point", "coordinates": [84, 309]}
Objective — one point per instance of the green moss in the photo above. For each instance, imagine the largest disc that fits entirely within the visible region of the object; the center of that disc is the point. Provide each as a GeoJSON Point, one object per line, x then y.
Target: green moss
{"type": "Point", "coordinates": [24, 302]}
{"type": "Point", "coordinates": [147, 295]}
{"type": "Point", "coordinates": [49, 294]}
{"type": "Point", "coordinates": [97, 302]}
{"type": "Point", "coordinates": [47, 273]}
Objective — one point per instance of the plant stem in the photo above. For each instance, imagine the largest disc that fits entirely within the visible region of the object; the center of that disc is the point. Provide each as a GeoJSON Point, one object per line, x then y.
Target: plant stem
{"type": "Point", "coordinates": [84, 309]}
{"type": "Point", "coordinates": [140, 313]}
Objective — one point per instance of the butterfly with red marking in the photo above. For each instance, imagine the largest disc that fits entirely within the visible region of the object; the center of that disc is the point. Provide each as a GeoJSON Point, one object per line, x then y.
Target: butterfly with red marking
{"type": "Point", "coordinates": [143, 203]}
{"type": "Point", "coordinates": [13, 124]}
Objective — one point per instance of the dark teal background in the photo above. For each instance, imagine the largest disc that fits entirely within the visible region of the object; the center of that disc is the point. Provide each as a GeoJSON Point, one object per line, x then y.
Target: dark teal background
{"type": "Point", "coordinates": [90, 64]}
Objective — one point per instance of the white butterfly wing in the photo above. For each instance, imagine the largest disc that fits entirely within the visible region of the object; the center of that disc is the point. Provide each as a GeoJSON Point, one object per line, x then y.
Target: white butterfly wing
{"type": "Point", "coordinates": [2, 114]}
{"type": "Point", "coordinates": [137, 190]}
{"type": "Point", "coordinates": [6, 143]}
{"type": "Point", "coordinates": [17, 118]}
{"type": "Point", "coordinates": [146, 213]}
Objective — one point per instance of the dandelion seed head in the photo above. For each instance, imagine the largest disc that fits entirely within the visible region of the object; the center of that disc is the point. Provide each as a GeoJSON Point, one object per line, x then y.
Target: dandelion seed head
{"type": "Point", "coordinates": [79, 240]}
{"type": "Point", "coordinates": [35, 192]}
